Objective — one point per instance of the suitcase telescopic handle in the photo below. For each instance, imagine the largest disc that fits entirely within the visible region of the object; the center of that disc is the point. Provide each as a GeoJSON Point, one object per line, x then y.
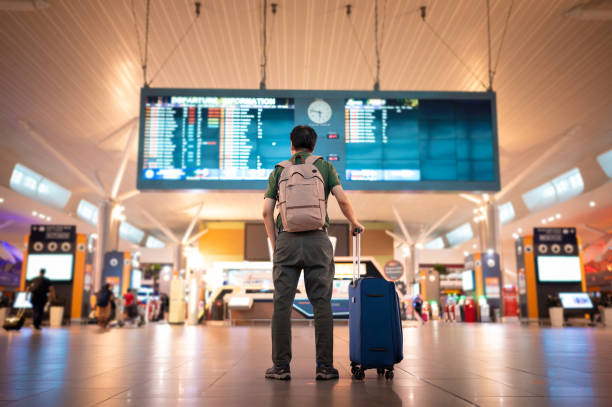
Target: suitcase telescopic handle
{"type": "Point", "coordinates": [356, 253]}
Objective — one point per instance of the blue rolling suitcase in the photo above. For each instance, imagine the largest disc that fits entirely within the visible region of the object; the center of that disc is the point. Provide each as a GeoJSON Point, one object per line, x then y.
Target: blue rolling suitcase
{"type": "Point", "coordinates": [375, 327]}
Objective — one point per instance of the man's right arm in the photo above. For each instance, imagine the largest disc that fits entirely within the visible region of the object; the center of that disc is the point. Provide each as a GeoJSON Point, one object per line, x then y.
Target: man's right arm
{"type": "Point", "coordinates": [346, 207]}
{"type": "Point", "coordinates": [268, 217]}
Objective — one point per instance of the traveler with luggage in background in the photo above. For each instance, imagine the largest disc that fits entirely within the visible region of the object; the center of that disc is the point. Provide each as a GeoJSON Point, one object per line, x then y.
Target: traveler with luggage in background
{"type": "Point", "coordinates": [301, 187]}
{"type": "Point", "coordinates": [39, 288]}
{"type": "Point", "coordinates": [417, 305]}
{"type": "Point", "coordinates": [104, 301]}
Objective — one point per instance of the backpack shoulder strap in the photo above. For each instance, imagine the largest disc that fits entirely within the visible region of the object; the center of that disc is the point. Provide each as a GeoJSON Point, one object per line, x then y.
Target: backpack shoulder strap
{"type": "Point", "coordinates": [311, 159]}
{"type": "Point", "coordinates": [285, 164]}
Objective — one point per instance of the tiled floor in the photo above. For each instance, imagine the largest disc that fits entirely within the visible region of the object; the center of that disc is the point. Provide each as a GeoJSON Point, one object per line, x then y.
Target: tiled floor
{"type": "Point", "coordinates": [444, 365]}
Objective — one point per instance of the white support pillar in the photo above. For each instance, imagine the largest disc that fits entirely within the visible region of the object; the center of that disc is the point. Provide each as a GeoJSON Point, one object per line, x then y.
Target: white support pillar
{"type": "Point", "coordinates": [108, 235]}
{"type": "Point", "coordinates": [179, 259]}
{"type": "Point", "coordinates": [412, 266]}
{"type": "Point", "coordinates": [493, 228]}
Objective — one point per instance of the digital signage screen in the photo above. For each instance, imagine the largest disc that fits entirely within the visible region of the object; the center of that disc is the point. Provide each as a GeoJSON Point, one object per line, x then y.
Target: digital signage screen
{"type": "Point", "coordinates": [467, 279]}
{"type": "Point", "coordinates": [58, 266]}
{"type": "Point", "coordinates": [575, 300]}
{"type": "Point", "coordinates": [559, 269]}
{"type": "Point", "coordinates": [386, 141]}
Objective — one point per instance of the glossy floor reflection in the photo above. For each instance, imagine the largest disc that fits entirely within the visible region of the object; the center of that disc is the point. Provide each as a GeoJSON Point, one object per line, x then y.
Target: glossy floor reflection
{"type": "Point", "coordinates": [444, 365]}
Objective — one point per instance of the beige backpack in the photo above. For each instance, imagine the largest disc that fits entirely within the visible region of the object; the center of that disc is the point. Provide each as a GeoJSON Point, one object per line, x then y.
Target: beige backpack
{"type": "Point", "coordinates": [301, 196]}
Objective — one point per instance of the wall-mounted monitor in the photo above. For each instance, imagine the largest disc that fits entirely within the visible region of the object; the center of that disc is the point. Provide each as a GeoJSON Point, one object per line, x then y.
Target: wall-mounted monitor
{"type": "Point", "coordinates": [22, 300]}
{"type": "Point", "coordinates": [575, 301]}
{"type": "Point", "coordinates": [58, 266]}
{"type": "Point", "coordinates": [232, 139]}
{"type": "Point", "coordinates": [467, 280]}
{"type": "Point", "coordinates": [559, 269]}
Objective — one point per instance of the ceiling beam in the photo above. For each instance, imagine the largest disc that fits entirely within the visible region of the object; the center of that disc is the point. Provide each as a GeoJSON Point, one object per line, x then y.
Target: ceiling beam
{"type": "Point", "coordinates": [196, 216]}
{"type": "Point", "coordinates": [127, 195]}
{"type": "Point", "coordinates": [163, 228]}
{"type": "Point", "coordinates": [471, 198]}
{"type": "Point", "coordinates": [397, 238]}
{"type": "Point", "coordinates": [197, 236]}
{"type": "Point", "coordinates": [123, 163]}
{"type": "Point", "coordinates": [42, 142]}
{"type": "Point", "coordinates": [436, 224]}
{"type": "Point", "coordinates": [118, 130]}
{"type": "Point", "coordinates": [541, 159]}
{"type": "Point", "coordinates": [407, 236]}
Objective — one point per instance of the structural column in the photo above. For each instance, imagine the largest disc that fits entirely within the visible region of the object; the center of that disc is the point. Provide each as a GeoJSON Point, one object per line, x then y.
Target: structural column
{"type": "Point", "coordinates": [108, 238]}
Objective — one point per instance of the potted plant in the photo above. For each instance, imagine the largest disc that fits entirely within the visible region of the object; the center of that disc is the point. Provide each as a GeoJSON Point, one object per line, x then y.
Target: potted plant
{"type": "Point", "coordinates": [555, 311]}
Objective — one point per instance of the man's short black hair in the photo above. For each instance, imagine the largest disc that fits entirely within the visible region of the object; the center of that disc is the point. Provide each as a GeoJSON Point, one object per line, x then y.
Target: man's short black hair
{"type": "Point", "coordinates": [43, 271]}
{"type": "Point", "coordinates": [303, 138]}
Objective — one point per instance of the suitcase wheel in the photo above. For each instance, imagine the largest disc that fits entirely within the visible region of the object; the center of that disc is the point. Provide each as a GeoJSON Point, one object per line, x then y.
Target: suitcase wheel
{"type": "Point", "coordinates": [389, 375]}
{"type": "Point", "coordinates": [359, 374]}
{"type": "Point", "coordinates": [380, 371]}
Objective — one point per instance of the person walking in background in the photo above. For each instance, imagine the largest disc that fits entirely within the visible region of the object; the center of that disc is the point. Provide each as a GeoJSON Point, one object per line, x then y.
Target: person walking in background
{"type": "Point", "coordinates": [417, 305]}
{"type": "Point", "coordinates": [103, 305]}
{"type": "Point", "coordinates": [300, 241]}
{"type": "Point", "coordinates": [39, 288]}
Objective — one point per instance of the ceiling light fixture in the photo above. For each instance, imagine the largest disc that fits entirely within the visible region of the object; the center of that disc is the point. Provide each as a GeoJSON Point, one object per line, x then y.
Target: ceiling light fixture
{"type": "Point", "coordinates": [543, 221]}
{"type": "Point", "coordinates": [551, 218]}
{"type": "Point", "coordinates": [34, 213]}
{"type": "Point", "coordinates": [520, 230]}
{"type": "Point", "coordinates": [515, 236]}
{"type": "Point", "coordinates": [592, 204]}
{"type": "Point", "coordinates": [1, 200]}
{"type": "Point", "coordinates": [558, 216]}
{"type": "Point", "coordinates": [466, 253]}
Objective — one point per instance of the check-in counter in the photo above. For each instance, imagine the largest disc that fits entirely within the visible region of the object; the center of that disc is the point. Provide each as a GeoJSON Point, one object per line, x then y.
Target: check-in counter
{"type": "Point", "coordinates": [253, 307]}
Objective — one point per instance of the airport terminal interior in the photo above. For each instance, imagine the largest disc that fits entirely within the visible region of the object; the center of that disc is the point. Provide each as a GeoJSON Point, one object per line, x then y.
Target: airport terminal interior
{"type": "Point", "coordinates": [472, 138]}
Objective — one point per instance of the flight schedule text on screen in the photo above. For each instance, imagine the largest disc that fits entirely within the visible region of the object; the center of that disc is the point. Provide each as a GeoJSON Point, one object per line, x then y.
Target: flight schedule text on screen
{"type": "Point", "coordinates": [214, 138]}
{"type": "Point", "coordinates": [232, 139]}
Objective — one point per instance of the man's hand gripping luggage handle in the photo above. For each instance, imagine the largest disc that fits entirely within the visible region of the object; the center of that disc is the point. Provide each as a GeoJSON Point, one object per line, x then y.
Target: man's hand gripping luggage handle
{"type": "Point", "coordinates": [356, 253]}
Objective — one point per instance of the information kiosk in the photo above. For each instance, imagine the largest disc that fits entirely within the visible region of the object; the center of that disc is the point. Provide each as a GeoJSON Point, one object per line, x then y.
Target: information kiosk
{"type": "Point", "coordinates": [549, 262]}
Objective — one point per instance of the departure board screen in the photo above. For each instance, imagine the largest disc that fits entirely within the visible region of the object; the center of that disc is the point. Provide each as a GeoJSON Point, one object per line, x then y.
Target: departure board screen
{"type": "Point", "coordinates": [214, 138]}
{"type": "Point", "coordinates": [387, 141]}
{"type": "Point", "coordinates": [419, 140]}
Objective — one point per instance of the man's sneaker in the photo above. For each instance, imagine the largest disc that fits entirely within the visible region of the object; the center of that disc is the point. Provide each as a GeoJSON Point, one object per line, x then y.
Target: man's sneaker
{"type": "Point", "coordinates": [278, 373]}
{"type": "Point", "coordinates": [326, 373]}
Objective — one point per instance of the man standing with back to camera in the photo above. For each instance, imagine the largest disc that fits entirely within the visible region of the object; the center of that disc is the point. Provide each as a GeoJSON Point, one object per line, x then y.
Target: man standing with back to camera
{"type": "Point", "coordinates": [299, 238]}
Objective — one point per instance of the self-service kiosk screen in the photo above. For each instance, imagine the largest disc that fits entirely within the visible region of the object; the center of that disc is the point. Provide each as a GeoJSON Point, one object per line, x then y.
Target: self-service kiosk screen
{"type": "Point", "coordinates": [58, 266]}
{"type": "Point", "coordinates": [575, 300]}
{"type": "Point", "coordinates": [467, 278]}
{"type": "Point", "coordinates": [22, 300]}
{"type": "Point", "coordinates": [559, 269]}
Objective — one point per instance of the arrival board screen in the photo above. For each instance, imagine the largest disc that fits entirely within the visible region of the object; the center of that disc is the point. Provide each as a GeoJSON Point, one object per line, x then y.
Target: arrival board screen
{"type": "Point", "coordinates": [232, 139]}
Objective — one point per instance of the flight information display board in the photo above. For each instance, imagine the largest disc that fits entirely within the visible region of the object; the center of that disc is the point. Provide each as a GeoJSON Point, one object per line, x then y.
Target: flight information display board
{"type": "Point", "coordinates": [232, 139]}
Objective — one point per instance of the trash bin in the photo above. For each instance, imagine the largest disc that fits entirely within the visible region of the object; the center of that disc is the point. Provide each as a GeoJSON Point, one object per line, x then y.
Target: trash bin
{"type": "Point", "coordinates": [556, 317]}
{"type": "Point", "coordinates": [607, 316]}
{"type": "Point", "coordinates": [56, 314]}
